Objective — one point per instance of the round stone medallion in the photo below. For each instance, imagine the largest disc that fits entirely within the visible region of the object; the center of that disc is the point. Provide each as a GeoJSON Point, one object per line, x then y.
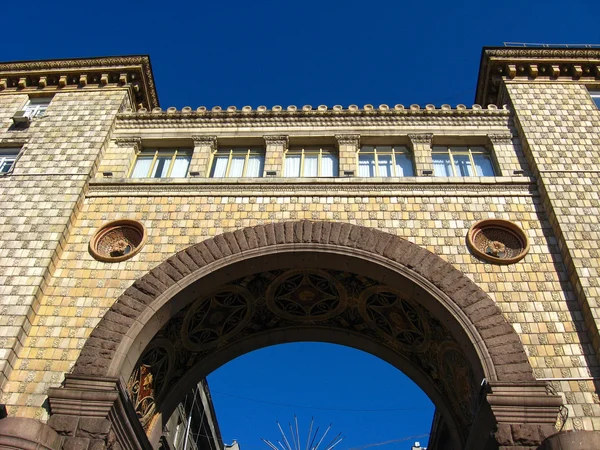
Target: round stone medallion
{"type": "Point", "coordinates": [118, 240]}
{"type": "Point", "coordinates": [498, 241]}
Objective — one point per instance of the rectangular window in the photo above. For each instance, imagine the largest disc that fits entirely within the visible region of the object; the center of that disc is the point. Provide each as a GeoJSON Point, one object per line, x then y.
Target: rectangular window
{"type": "Point", "coordinates": [162, 163]}
{"type": "Point", "coordinates": [238, 162]}
{"type": "Point", "coordinates": [462, 162]}
{"type": "Point", "coordinates": [310, 162]}
{"type": "Point", "coordinates": [8, 157]}
{"type": "Point", "coordinates": [384, 161]}
{"type": "Point", "coordinates": [36, 107]}
{"type": "Point", "coordinates": [596, 97]}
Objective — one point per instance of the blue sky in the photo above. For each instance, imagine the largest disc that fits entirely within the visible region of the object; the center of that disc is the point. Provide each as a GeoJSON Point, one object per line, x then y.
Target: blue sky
{"type": "Point", "coordinates": [366, 399]}
{"type": "Point", "coordinates": [309, 52]}
{"type": "Point", "coordinates": [296, 53]}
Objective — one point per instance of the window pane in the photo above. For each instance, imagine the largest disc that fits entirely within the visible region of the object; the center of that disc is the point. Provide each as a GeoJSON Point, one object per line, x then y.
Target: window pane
{"type": "Point", "coordinates": [220, 166]}
{"type": "Point", "coordinates": [311, 166]}
{"type": "Point", "coordinates": [292, 165]}
{"type": "Point", "coordinates": [596, 97]}
{"type": "Point", "coordinates": [384, 149]}
{"type": "Point", "coordinates": [142, 167]}
{"type": "Point", "coordinates": [366, 149]}
{"type": "Point", "coordinates": [404, 167]}
{"type": "Point", "coordinates": [180, 166]}
{"type": "Point", "coordinates": [255, 166]}
{"type": "Point", "coordinates": [366, 165]}
{"type": "Point", "coordinates": [483, 165]}
{"type": "Point", "coordinates": [463, 167]}
{"type": "Point", "coordinates": [329, 165]}
{"type": "Point", "coordinates": [442, 166]}
{"type": "Point", "coordinates": [385, 165]}
{"type": "Point", "coordinates": [237, 166]}
{"type": "Point", "coordinates": [6, 163]}
{"type": "Point", "coordinates": [161, 168]}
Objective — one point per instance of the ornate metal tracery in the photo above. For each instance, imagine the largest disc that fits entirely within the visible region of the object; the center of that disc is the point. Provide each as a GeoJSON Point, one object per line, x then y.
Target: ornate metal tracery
{"type": "Point", "coordinates": [323, 299]}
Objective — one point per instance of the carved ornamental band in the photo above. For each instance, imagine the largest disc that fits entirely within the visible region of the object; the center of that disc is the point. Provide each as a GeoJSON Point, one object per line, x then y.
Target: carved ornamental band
{"type": "Point", "coordinates": [276, 140]}
{"type": "Point", "coordinates": [501, 138]}
{"type": "Point", "coordinates": [348, 139]}
{"type": "Point", "coordinates": [205, 140]}
{"type": "Point", "coordinates": [132, 142]}
{"type": "Point", "coordinates": [425, 138]}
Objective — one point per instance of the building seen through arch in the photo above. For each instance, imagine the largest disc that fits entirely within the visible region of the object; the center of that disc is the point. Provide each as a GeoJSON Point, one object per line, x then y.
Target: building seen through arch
{"type": "Point", "coordinates": [142, 248]}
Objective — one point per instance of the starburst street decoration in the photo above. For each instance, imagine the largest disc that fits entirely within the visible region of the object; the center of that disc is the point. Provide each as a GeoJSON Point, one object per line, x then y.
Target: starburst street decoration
{"type": "Point", "coordinates": [313, 442]}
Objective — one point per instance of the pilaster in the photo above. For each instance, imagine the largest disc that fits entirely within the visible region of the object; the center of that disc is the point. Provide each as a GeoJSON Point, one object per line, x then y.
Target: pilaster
{"type": "Point", "coordinates": [349, 145]}
{"type": "Point", "coordinates": [421, 147]}
{"type": "Point", "coordinates": [276, 145]}
{"type": "Point", "coordinates": [119, 157]}
{"type": "Point", "coordinates": [95, 412]}
{"type": "Point", "coordinates": [204, 147]}
{"type": "Point", "coordinates": [504, 152]}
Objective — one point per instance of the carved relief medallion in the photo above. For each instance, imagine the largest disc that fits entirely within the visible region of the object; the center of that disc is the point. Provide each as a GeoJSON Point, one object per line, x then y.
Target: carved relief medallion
{"type": "Point", "coordinates": [498, 241]}
{"type": "Point", "coordinates": [118, 240]}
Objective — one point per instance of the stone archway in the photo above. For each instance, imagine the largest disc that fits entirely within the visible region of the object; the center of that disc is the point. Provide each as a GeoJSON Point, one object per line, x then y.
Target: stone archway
{"type": "Point", "coordinates": [442, 330]}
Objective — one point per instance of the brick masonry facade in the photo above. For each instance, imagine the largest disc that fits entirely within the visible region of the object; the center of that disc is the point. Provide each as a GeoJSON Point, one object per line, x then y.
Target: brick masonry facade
{"type": "Point", "coordinates": [53, 293]}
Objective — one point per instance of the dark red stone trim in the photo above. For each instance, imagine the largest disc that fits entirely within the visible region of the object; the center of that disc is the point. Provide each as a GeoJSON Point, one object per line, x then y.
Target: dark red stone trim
{"type": "Point", "coordinates": [501, 340]}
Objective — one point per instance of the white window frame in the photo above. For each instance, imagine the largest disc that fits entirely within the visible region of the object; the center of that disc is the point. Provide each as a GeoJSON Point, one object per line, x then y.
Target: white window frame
{"type": "Point", "coordinates": [311, 151]}
{"type": "Point", "coordinates": [172, 152]}
{"type": "Point", "coordinates": [453, 150]}
{"type": "Point", "coordinates": [36, 107]}
{"type": "Point", "coordinates": [595, 94]}
{"type": "Point", "coordinates": [236, 151]}
{"type": "Point", "coordinates": [395, 150]}
{"type": "Point", "coordinates": [8, 159]}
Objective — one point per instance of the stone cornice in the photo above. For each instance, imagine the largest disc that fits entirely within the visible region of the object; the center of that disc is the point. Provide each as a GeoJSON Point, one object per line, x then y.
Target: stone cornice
{"type": "Point", "coordinates": [329, 118]}
{"type": "Point", "coordinates": [314, 187]}
{"type": "Point", "coordinates": [133, 72]}
{"type": "Point", "coordinates": [534, 64]}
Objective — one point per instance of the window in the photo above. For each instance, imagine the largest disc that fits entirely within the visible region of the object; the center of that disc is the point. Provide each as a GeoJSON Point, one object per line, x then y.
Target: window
{"type": "Point", "coordinates": [162, 163]}
{"type": "Point", "coordinates": [384, 161]}
{"type": "Point", "coordinates": [238, 162]}
{"type": "Point", "coordinates": [462, 162]}
{"type": "Point", "coordinates": [36, 107]}
{"type": "Point", "coordinates": [310, 162]}
{"type": "Point", "coordinates": [596, 97]}
{"type": "Point", "coordinates": [8, 157]}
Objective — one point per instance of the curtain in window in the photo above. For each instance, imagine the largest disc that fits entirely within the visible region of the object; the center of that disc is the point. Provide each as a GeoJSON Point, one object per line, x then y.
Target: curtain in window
{"type": "Point", "coordinates": [311, 166]}
{"type": "Point", "coordinates": [442, 166]}
{"type": "Point", "coordinates": [463, 165]}
{"type": "Point", "coordinates": [237, 166]}
{"type": "Point", "coordinates": [329, 165]}
{"type": "Point", "coordinates": [220, 166]}
{"type": "Point", "coordinates": [483, 165]}
{"type": "Point", "coordinates": [161, 167]}
{"type": "Point", "coordinates": [385, 165]}
{"type": "Point", "coordinates": [404, 167]}
{"type": "Point", "coordinates": [292, 165]}
{"type": "Point", "coordinates": [255, 166]}
{"type": "Point", "coordinates": [366, 165]}
{"type": "Point", "coordinates": [180, 167]}
{"type": "Point", "coordinates": [142, 167]}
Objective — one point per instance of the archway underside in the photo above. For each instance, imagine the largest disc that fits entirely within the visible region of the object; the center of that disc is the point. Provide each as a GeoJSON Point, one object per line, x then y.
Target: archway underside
{"type": "Point", "coordinates": [315, 303]}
